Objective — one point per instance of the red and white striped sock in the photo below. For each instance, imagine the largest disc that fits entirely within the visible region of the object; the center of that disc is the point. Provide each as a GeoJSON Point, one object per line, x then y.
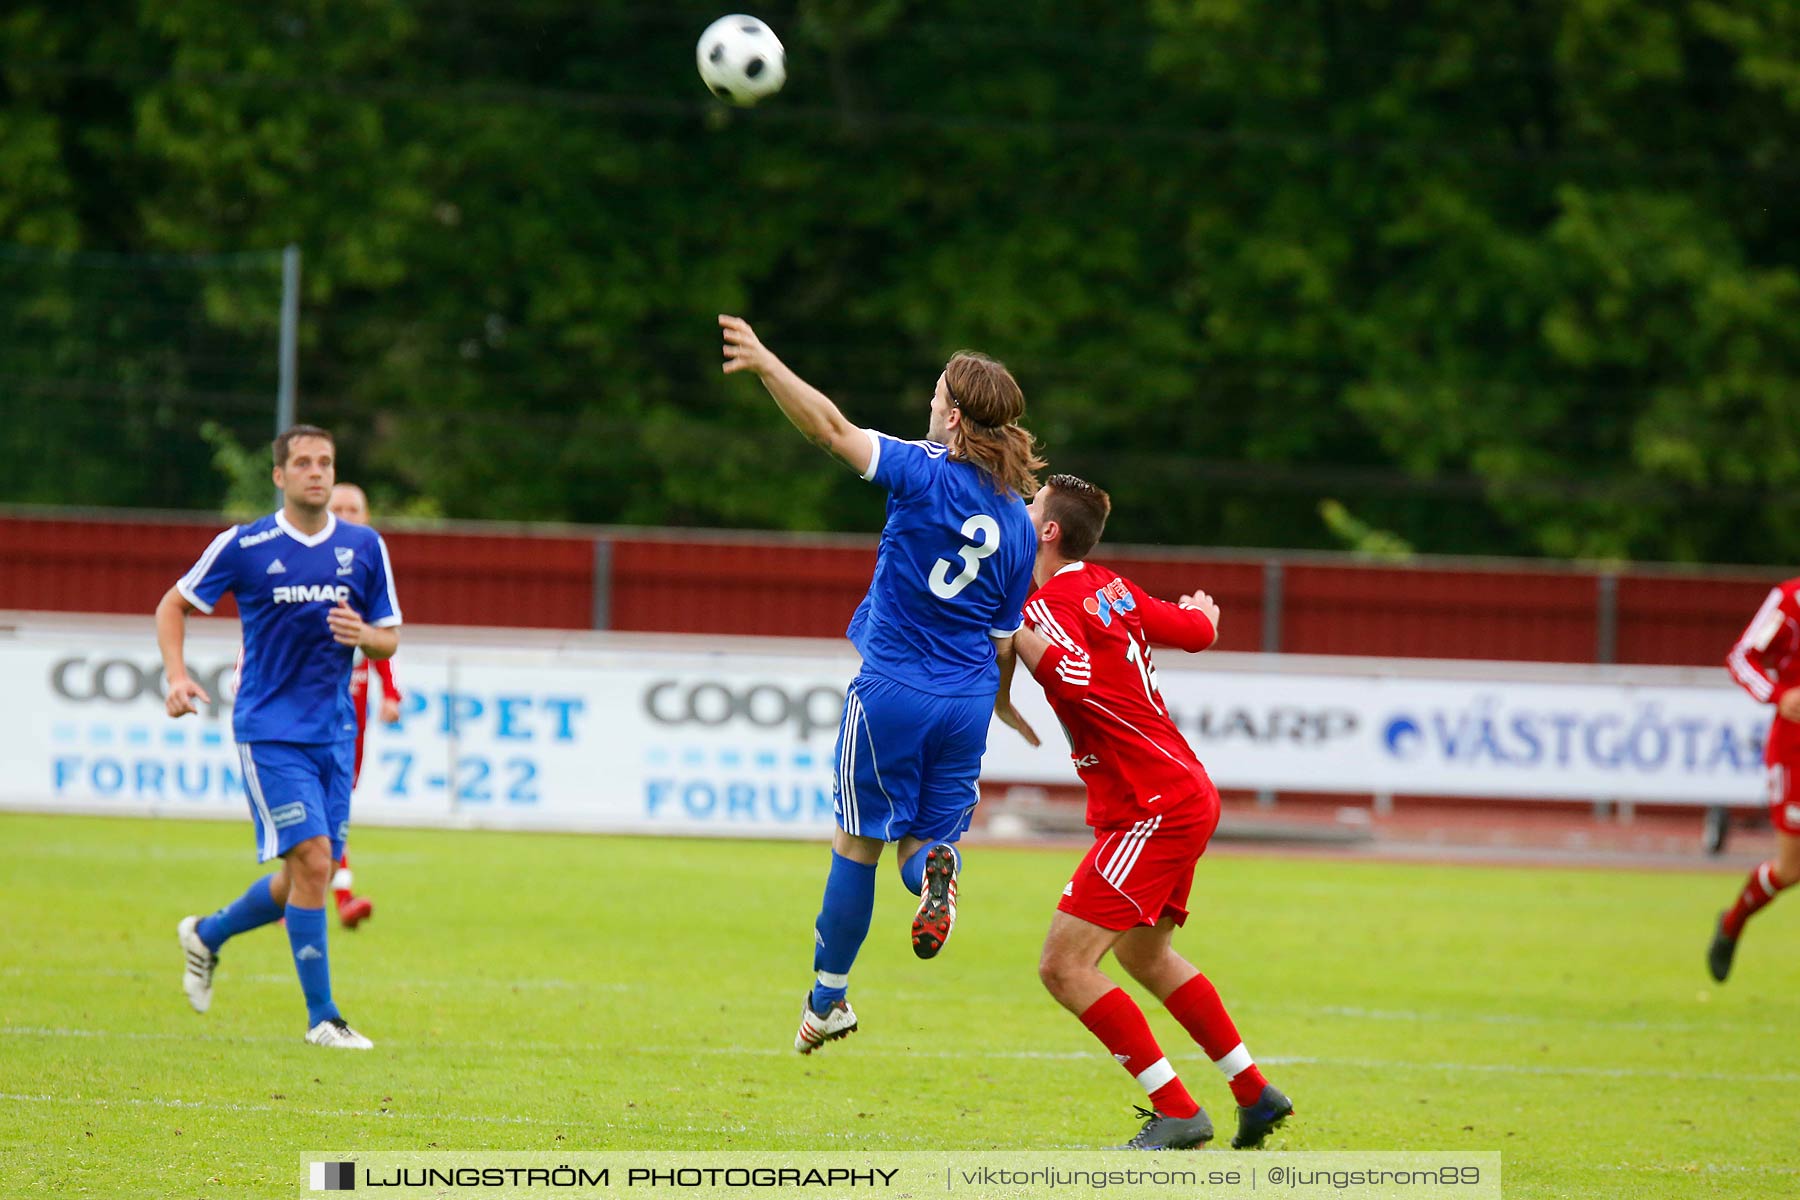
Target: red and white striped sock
{"type": "Point", "coordinates": [1119, 1023]}
{"type": "Point", "coordinates": [340, 881]}
{"type": "Point", "coordinates": [1197, 1006]}
{"type": "Point", "coordinates": [1759, 889]}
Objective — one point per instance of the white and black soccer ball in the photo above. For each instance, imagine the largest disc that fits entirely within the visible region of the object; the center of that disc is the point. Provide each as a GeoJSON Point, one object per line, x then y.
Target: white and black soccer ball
{"type": "Point", "coordinates": [741, 60]}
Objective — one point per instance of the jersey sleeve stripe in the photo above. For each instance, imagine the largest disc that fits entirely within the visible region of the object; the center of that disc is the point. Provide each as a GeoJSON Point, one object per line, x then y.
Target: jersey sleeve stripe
{"type": "Point", "coordinates": [874, 454]}
{"type": "Point", "coordinates": [187, 584]}
{"type": "Point", "coordinates": [1006, 633]}
{"type": "Point", "coordinates": [1751, 679]}
{"type": "Point", "coordinates": [1048, 626]}
{"type": "Point", "coordinates": [1054, 630]}
{"type": "Point", "coordinates": [393, 597]}
{"type": "Point", "coordinates": [188, 594]}
{"type": "Point", "coordinates": [1761, 629]}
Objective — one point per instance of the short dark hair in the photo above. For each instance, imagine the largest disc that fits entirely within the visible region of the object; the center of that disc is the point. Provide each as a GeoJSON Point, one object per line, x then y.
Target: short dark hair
{"type": "Point", "coordinates": [1080, 509]}
{"type": "Point", "coordinates": [287, 436]}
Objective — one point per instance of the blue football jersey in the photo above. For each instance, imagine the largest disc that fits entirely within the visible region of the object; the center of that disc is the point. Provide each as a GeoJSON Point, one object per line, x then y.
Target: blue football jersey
{"type": "Point", "coordinates": [293, 678]}
{"type": "Point", "coordinates": [953, 571]}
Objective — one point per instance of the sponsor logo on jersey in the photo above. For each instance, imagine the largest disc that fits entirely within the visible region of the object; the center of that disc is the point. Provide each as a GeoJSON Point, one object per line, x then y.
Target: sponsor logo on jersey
{"type": "Point", "coordinates": [1793, 815]}
{"type": "Point", "coordinates": [275, 568]}
{"type": "Point", "coordinates": [307, 593]}
{"type": "Point", "coordinates": [1114, 597]}
{"type": "Point", "coordinates": [346, 559]}
{"type": "Point", "coordinates": [257, 539]}
{"type": "Point", "coordinates": [1086, 760]}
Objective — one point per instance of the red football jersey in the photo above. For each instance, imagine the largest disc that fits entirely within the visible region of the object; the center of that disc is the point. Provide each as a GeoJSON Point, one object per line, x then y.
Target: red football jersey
{"type": "Point", "coordinates": [1766, 663]}
{"type": "Point", "coordinates": [359, 699]}
{"type": "Point", "coordinates": [1100, 679]}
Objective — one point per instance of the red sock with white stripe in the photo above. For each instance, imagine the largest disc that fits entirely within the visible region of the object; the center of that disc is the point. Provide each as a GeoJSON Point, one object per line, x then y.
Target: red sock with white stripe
{"type": "Point", "coordinates": [1197, 1006]}
{"type": "Point", "coordinates": [1759, 889]}
{"type": "Point", "coordinates": [1119, 1023]}
{"type": "Point", "coordinates": [340, 881]}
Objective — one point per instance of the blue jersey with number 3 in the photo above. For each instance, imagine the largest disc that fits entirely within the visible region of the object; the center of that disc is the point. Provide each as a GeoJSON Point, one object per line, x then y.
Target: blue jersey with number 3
{"type": "Point", "coordinates": [952, 573]}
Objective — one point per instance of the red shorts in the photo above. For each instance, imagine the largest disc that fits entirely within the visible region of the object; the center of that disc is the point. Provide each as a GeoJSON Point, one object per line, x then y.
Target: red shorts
{"type": "Point", "coordinates": [1784, 797]}
{"type": "Point", "coordinates": [1139, 875]}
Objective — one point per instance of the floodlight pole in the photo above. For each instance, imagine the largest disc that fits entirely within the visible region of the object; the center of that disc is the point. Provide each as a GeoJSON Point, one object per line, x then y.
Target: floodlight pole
{"type": "Point", "coordinates": [290, 338]}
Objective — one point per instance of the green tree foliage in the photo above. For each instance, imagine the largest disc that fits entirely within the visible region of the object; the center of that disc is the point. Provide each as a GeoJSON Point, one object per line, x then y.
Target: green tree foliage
{"type": "Point", "coordinates": [1495, 277]}
{"type": "Point", "coordinates": [245, 470]}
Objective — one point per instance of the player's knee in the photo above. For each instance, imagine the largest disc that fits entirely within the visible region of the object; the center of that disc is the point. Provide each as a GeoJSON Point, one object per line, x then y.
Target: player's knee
{"type": "Point", "coordinates": [310, 862]}
{"type": "Point", "coordinates": [1056, 972]}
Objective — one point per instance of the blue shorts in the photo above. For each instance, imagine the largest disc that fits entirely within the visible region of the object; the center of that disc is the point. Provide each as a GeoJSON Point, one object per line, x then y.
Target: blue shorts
{"type": "Point", "coordinates": [908, 761]}
{"type": "Point", "coordinates": [297, 792]}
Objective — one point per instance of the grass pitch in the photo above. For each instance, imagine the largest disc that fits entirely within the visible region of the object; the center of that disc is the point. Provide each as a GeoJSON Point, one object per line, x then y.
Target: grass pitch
{"type": "Point", "coordinates": [532, 992]}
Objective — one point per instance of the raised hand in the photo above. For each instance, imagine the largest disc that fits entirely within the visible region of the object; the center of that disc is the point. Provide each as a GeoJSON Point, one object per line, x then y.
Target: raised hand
{"type": "Point", "coordinates": [744, 351]}
{"type": "Point", "coordinates": [1205, 603]}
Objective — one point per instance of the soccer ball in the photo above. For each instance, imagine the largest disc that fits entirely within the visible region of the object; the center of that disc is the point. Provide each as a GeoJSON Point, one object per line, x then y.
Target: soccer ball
{"type": "Point", "coordinates": [741, 60]}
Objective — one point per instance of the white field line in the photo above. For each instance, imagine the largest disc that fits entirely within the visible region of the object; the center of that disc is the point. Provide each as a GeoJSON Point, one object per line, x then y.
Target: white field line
{"type": "Point", "coordinates": [1328, 1011]}
{"type": "Point", "coordinates": [1415, 1016]}
{"type": "Point", "coordinates": [215, 1106]}
{"type": "Point", "coordinates": [235, 857]}
{"type": "Point", "coordinates": [163, 1102]}
{"type": "Point", "coordinates": [865, 1050]}
{"type": "Point", "coordinates": [519, 985]}
{"type": "Point", "coordinates": [44, 1031]}
{"type": "Point", "coordinates": [1698, 1168]}
{"type": "Point", "coordinates": [342, 1113]}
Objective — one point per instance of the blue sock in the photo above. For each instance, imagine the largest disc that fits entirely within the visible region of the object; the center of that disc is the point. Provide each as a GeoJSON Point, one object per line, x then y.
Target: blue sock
{"type": "Point", "coordinates": [306, 934]}
{"type": "Point", "coordinates": [842, 925]}
{"type": "Point", "coordinates": [252, 910]}
{"type": "Point", "coordinates": [912, 871]}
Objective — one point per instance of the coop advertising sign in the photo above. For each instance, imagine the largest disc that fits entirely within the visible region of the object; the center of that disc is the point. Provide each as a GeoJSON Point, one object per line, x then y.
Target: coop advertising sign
{"type": "Point", "coordinates": [681, 736]}
{"type": "Point", "coordinates": [672, 739]}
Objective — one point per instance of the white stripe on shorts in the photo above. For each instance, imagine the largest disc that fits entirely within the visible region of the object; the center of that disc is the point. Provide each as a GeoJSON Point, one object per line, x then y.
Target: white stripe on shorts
{"type": "Point", "coordinates": [1128, 852]}
{"type": "Point", "coordinates": [271, 837]}
{"type": "Point", "coordinates": [847, 766]}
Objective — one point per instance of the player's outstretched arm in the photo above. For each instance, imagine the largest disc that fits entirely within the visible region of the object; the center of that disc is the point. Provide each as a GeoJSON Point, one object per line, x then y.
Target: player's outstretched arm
{"type": "Point", "coordinates": [1008, 658]}
{"type": "Point", "coordinates": [1191, 625]}
{"type": "Point", "coordinates": [171, 639]}
{"type": "Point", "coordinates": [1054, 652]}
{"type": "Point", "coordinates": [811, 410]}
